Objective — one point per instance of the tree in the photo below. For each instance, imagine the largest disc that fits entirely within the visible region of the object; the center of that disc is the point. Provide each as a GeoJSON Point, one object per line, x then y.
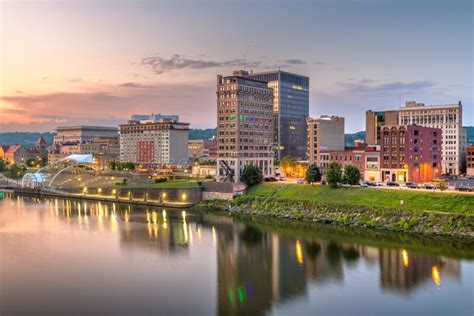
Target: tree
{"type": "Point", "coordinates": [251, 175]}
{"type": "Point", "coordinates": [3, 165]}
{"type": "Point", "coordinates": [334, 174]}
{"type": "Point", "coordinates": [15, 171]}
{"type": "Point", "coordinates": [351, 175]}
{"type": "Point", "coordinates": [313, 174]}
{"type": "Point", "coordinates": [442, 186]}
{"type": "Point", "coordinates": [112, 165]}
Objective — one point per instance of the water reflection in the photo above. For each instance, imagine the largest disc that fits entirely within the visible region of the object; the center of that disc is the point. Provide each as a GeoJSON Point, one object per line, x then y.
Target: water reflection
{"type": "Point", "coordinates": [256, 270]}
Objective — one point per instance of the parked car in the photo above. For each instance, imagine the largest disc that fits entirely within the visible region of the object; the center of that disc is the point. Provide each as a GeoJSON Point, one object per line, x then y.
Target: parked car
{"type": "Point", "coordinates": [392, 184]}
{"type": "Point", "coordinates": [403, 187]}
{"type": "Point", "coordinates": [267, 180]}
{"type": "Point", "coordinates": [429, 186]}
{"type": "Point", "coordinates": [464, 188]}
{"type": "Point", "coordinates": [300, 181]}
{"type": "Point", "coordinates": [412, 185]}
{"type": "Point", "coordinates": [378, 184]}
{"type": "Point", "coordinates": [273, 179]}
{"type": "Point", "coordinates": [324, 182]}
{"type": "Point", "coordinates": [282, 178]}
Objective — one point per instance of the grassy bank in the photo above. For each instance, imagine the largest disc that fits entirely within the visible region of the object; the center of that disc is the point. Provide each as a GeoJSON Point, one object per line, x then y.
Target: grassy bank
{"type": "Point", "coordinates": [421, 212]}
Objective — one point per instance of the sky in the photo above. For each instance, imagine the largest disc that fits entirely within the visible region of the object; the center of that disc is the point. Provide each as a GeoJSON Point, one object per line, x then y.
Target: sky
{"type": "Point", "coordinates": [97, 62]}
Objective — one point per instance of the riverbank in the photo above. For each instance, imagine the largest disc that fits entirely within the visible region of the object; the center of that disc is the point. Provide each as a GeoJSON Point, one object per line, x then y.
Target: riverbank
{"type": "Point", "coordinates": [403, 211]}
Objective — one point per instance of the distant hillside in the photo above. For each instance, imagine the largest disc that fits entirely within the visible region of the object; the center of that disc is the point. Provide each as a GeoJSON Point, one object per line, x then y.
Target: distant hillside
{"type": "Point", "coordinates": [28, 139]}
{"type": "Point", "coordinates": [350, 138]}
{"type": "Point", "coordinates": [24, 138]}
{"type": "Point", "coordinates": [202, 133]}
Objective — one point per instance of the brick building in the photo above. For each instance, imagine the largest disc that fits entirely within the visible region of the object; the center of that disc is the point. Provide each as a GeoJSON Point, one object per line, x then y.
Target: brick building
{"type": "Point", "coordinates": [470, 160]}
{"type": "Point", "coordinates": [410, 153]}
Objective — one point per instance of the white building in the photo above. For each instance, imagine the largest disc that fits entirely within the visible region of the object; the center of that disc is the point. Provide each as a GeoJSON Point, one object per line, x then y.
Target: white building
{"type": "Point", "coordinates": [448, 118]}
{"type": "Point", "coordinates": [154, 143]}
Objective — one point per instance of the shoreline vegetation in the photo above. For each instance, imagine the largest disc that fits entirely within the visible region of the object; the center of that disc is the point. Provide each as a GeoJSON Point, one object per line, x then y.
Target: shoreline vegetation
{"type": "Point", "coordinates": [402, 211]}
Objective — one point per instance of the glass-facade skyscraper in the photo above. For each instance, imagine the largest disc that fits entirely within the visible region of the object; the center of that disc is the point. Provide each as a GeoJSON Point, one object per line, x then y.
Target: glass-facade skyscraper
{"type": "Point", "coordinates": [291, 109]}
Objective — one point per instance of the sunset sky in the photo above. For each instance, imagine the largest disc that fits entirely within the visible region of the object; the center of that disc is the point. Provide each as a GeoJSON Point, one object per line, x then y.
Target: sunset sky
{"type": "Point", "coordinates": [98, 62]}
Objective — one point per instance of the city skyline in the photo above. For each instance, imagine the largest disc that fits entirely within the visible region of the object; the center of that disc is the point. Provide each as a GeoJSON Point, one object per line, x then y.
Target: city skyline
{"type": "Point", "coordinates": [68, 60]}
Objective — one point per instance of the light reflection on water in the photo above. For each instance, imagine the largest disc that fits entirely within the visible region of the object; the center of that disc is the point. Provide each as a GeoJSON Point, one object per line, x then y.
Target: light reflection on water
{"type": "Point", "coordinates": [59, 256]}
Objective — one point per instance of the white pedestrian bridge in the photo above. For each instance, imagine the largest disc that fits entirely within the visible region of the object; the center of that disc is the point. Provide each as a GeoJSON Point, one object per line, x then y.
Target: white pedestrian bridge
{"type": "Point", "coordinates": [46, 176]}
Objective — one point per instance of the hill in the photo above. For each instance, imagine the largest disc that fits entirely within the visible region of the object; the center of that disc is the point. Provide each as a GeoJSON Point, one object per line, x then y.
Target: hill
{"type": "Point", "coordinates": [28, 139]}
{"type": "Point", "coordinates": [24, 138]}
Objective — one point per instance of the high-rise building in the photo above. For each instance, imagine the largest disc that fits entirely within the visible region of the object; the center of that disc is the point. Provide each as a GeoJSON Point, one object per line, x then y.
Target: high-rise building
{"type": "Point", "coordinates": [291, 109]}
{"type": "Point", "coordinates": [373, 123]}
{"type": "Point", "coordinates": [244, 125]}
{"type": "Point", "coordinates": [410, 153]}
{"type": "Point", "coordinates": [448, 118]}
{"type": "Point", "coordinates": [154, 143]}
{"type": "Point", "coordinates": [325, 134]}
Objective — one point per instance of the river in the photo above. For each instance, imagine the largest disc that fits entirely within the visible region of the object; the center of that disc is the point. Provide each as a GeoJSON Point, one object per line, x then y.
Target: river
{"type": "Point", "coordinates": [68, 257]}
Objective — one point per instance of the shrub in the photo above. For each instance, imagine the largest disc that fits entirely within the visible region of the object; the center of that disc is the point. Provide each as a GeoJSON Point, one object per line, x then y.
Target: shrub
{"type": "Point", "coordinates": [161, 180]}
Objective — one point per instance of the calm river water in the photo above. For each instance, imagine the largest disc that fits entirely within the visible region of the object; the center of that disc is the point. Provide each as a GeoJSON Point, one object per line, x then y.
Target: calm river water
{"type": "Point", "coordinates": [68, 257]}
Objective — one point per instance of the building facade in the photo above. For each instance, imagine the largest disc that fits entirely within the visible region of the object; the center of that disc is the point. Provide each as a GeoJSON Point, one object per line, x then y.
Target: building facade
{"type": "Point", "coordinates": [244, 125]}
{"type": "Point", "coordinates": [290, 109]}
{"type": "Point", "coordinates": [198, 148]}
{"type": "Point", "coordinates": [325, 134]}
{"type": "Point", "coordinates": [448, 118]}
{"type": "Point", "coordinates": [104, 150]}
{"type": "Point", "coordinates": [372, 164]}
{"type": "Point", "coordinates": [154, 143]}
{"type": "Point", "coordinates": [83, 134]}
{"type": "Point", "coordinates": [410, 153]}
{"type": "Point", "coordinates": [470, 160]}
{"type": "Point", "coordinates": [350, 156]}
{"type": "Point", "coordinates": [373, 123]}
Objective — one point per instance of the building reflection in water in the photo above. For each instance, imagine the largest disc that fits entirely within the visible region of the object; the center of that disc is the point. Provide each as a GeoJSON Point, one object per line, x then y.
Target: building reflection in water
{"type": "Point", "coordinates": [255, 268]}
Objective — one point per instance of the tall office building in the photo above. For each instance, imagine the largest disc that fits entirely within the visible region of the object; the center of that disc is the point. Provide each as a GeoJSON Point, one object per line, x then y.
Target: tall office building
{"type": "Point", "coordinates": [291, 109]}
{"type": "Point", "coordinates": [244, 125]}
{"type": "Point", "coordinates": [448, 118]}
{"type": "Point", "coordinates": [373, 123]}
{"type": "Point", "coordinates": [324, 134]}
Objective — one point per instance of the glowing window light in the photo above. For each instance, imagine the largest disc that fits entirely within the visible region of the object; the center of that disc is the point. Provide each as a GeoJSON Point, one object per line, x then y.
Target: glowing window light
{"type": "Point", "coordinates": [99, 190]}
{"type": "Point", "coordinates": [183, 196]}
{"type": "Point", "coordinates": [299, 252]}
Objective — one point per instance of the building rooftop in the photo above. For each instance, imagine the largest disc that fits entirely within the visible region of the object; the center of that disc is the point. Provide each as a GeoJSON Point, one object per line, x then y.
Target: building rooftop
{"type": "Point", "coordinates": [84, 127]}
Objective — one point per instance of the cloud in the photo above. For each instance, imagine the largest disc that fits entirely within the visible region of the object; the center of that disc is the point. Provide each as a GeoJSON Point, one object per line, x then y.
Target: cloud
{"type": "Point", "coordinates": [134, 85]}
{"type": "Point", "coordinates": [160, 65]}
{"type": "Point", "coordinates": [295, 62]}
{"type": "Point", "coordinates": [320, 63]}
{"type": "Point", "coordinates": [107, 105]}
{"type": "Point", "coordinates": [364, 86]}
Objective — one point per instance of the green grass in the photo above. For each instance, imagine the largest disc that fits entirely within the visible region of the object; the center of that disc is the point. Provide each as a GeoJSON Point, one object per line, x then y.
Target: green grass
{"type": "Point", "coordinates": [167, 184]}
{"type": "Point", "coordinates": [370, 197]}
